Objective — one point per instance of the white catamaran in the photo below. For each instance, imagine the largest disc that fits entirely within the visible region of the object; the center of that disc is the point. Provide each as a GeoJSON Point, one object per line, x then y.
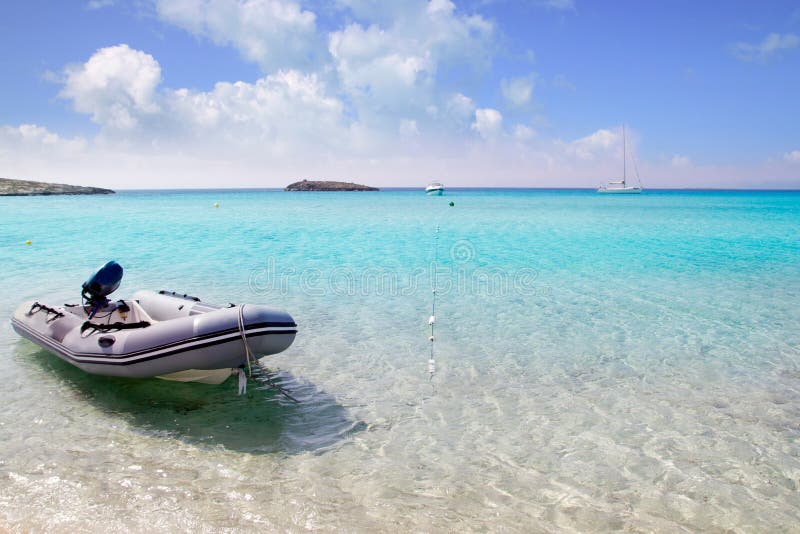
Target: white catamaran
{"type": "Point", "coordinates": [619, 186]}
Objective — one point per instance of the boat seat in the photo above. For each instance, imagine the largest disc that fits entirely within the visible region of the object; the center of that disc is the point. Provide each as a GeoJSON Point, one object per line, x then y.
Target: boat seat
{"type": "Point", "coordinates": [139, 314]}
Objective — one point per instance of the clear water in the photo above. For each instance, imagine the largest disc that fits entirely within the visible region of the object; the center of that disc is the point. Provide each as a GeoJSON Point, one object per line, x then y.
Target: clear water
{"type": "Point", "coordinates": [603, 363]}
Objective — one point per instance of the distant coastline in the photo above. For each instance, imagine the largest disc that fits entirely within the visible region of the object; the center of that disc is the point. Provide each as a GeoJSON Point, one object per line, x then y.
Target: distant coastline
{"type": "Point", "coordinates": [23, 188]}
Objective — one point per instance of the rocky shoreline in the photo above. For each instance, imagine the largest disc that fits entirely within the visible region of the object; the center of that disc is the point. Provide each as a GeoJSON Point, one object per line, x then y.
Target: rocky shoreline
{"type": "Point", "coordinates": [324, 185]}
{"type": "Point", "coordinates": [9, 188]}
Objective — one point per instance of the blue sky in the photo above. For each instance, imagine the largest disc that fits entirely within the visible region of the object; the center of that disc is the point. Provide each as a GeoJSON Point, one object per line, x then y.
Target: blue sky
{"type": "Point", "coordinates": [209, 93]}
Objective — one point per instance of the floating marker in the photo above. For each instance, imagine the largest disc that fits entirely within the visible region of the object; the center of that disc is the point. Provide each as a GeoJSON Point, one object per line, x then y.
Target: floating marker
{"type": "Point", "coordinates": [28, 242]}
{"type": "Point", "coordinates": [216, 204]}
{"type": "Point", "coordinates": [452, 203]}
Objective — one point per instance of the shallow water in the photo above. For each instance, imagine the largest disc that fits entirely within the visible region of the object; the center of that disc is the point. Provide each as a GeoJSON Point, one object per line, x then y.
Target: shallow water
{"type": "Point", "coordinates": [603, 363]}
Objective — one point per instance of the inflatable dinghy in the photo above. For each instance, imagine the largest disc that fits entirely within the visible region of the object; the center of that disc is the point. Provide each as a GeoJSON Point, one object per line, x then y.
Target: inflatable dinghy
{"type": "Point", "coordinates": [154, 334]}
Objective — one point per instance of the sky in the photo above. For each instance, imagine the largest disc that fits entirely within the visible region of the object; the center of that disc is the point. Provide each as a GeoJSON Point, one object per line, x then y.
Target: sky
{"type": "Point", "coordinates": [473, 93]}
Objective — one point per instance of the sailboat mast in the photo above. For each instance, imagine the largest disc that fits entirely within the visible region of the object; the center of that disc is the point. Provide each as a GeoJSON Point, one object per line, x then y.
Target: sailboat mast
{"type": "Point", "coordinates": [624, 156]}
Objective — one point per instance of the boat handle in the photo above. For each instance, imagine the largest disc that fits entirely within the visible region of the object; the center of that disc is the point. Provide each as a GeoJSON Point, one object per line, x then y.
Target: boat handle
{"type": "Point", "coordinates": [106, 341]}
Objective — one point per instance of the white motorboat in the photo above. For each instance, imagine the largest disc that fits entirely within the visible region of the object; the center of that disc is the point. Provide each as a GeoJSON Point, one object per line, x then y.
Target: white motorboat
{"type": "Point", "coordinates": [620, 186]}
{"type": "Point", "coordinates": [154, 334]}
{"type": "Point", "coordinates": [435, 188]}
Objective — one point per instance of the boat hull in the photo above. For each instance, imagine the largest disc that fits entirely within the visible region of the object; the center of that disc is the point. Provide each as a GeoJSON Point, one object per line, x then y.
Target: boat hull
{"type": "Point", "coordinates": [203, 341]}
{"type": "Point", "coordinates": [434, 192]}
{"type": "Point", "coordinates": [620, 191]}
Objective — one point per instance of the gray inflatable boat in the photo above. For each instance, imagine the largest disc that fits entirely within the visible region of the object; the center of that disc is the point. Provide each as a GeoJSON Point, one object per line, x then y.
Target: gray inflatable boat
{"type": "Point", "coordinates": [154, 334]}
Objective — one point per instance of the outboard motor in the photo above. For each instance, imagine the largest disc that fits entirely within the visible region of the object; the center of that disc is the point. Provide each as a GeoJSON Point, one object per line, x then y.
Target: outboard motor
{"type": "Point", "coordinates": [102, 283]}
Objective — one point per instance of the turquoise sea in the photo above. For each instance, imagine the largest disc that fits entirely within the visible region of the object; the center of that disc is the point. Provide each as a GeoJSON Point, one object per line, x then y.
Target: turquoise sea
{"type": "Point", "coordinates": [602, 363]}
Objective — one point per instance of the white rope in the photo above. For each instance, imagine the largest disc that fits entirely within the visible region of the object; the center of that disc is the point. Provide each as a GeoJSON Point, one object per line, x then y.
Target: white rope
{"type": "Point", "coordinates": [242, 381]}
{"type": "Point", "coordinates": [247, 352]}
{"type": "Point", "coordinates": [432, 319]}
{"type": "Point", "coordinates": [261, 375]}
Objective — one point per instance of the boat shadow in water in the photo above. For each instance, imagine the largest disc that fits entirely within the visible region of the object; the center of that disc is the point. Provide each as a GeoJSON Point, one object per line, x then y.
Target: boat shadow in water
{"type": "Point", "coordinates": [258, 422]}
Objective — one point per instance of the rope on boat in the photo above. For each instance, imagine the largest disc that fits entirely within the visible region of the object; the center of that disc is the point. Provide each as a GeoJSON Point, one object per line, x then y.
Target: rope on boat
{"type": "Point", "coordinates": [247, 352]}
{"type": "Point", "coordinates": [111, 327]}
{"type": "Point", "coordinates": [242, 381]}
{"type": "Point", "coordinates": [254, 368]}
{"type": "Point", "coordinates": [36, 307]}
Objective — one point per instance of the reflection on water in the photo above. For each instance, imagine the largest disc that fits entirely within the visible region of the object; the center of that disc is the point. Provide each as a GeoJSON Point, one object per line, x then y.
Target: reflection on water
{"type": "Point", "coordinates": [260, 421]}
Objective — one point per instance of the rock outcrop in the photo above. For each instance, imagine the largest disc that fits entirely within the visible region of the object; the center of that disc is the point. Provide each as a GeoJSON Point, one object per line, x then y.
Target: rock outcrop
{"type": "Point", "coordinates": [314, 185]}
{"type": "Point", "coordinates": [9, 187]}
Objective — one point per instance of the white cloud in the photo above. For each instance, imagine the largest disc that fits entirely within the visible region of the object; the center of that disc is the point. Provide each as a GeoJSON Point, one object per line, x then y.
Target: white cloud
{"type": "Point", "coordinates": [793, 156]}
{"type": "Point", "coordinates": [383, 59]}
{"type": "Point", "coordinates": [557, 4]}
{"type": "Point", "coordinates": [517, 91]}
{"type": "Point", "coordinates": [523, 133]}
{"type": "Point", "coordinates": [285, 111]}
{"type": "Point", "coordinates": [389, 68]}
{"type": "Point", "coordinates": [771, 44]}
{"type": "Point", "coordinates": [680, 161]}
{"type": "Point", "coordinates": [408, 128]}
{"type": "Point", "coordinates": [31, 151]}
{"type": "Point", "coordinates": [382, 12]}
{"type": "Point", "coordinates": [26, 137]}
{"type": "Point", "coordinates": [461, 106]}
{"type": "Point", "coordinates": [119, 88]}
{"type": "Point", "coordinates": [590, 147]}
{"type": "Point", "coordinates": [99, 4]}
{"type": "Point", "coordinates": [272, 33]}
{"type": "Point", "coordinates": [445, 7]}
{"type": "Point", "coordinates": [488, 123]}
{"type": "Point", "coordinates": [115, 86]}
{"type": "Point", "coordinates": [371, 64]}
